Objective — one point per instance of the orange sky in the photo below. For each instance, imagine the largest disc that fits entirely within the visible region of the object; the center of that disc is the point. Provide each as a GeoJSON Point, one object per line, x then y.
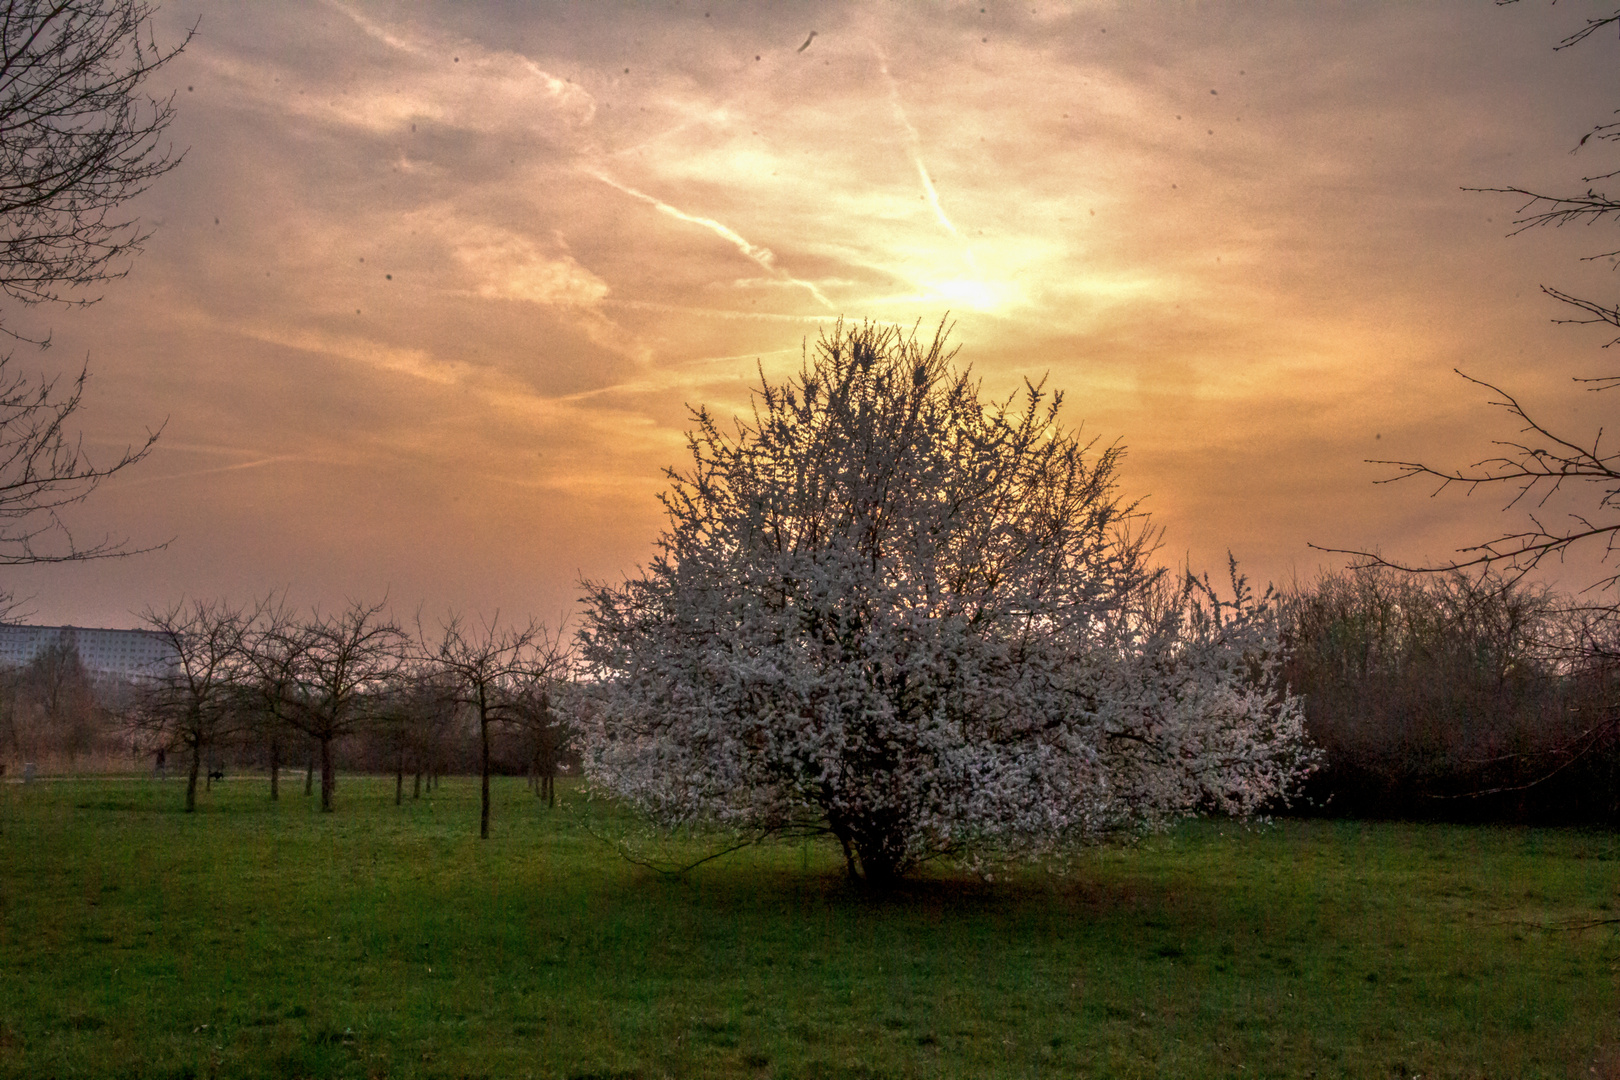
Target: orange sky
{"type": "Point", "coordinates": [426, 301]}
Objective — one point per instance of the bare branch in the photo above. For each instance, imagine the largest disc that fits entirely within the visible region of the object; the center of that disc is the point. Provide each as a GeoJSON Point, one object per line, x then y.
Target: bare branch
{"type": "Point", "coordinates": [44, 470]}
{"type": "Point", "coordinates": [1534, 467]}
{"type": "Point", "coordinates": [78, 140]}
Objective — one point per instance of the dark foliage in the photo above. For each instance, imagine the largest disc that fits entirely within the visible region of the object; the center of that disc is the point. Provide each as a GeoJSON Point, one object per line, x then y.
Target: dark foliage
{"type": "Point", "coordinates": [1451, 697]}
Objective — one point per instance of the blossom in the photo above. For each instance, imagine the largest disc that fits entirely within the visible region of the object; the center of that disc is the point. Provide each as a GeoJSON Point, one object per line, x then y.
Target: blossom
{"type": "Point", "coordinates": [927, 625]}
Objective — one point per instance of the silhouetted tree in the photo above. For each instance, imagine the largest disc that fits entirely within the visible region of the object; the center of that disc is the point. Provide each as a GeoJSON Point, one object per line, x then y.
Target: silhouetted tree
{"type": "Point", "coordinates": [486, 669]}
{"type": "Point", "coordinates": [413, 711]}
{"type": "Point", "coordinates": [338, 662]}
{"type": "Point", "coordinates": [1539, 464]}
{"type": "Point", "coordinates": [1593, 205]}
{"type": "Point", "coordinates": [11, 733]}
{"type": "Point", "coordinates": [195, 702]}
{"type": "Point", "coordinates": [79, 138]}
{"type": "Point", "coordinates": [1567, 483]}
{"type": "Point", "coordinates": [543, 708]}
{"type": "Point", "coordinates": [271, 657]}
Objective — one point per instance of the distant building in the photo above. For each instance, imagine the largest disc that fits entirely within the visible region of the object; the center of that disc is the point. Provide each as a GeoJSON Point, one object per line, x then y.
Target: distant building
{"type": "Point", "coordinates": [128, 654]}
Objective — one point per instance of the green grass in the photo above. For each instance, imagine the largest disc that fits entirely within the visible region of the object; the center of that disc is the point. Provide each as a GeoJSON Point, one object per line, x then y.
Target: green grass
{"type": "Point", "coordinates": [254, 939]}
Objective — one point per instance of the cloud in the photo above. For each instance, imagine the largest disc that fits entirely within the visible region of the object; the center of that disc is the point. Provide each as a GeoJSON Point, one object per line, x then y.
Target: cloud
{"type": "Point", "coordinates": [451, 251]}
{"type": "Point", "coordinates": [510, 266]}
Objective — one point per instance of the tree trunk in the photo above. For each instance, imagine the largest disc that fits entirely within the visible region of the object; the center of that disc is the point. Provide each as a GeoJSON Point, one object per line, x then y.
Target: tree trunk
{"type": "Point", "coordinates": [842, 833]}
{"type": "Point", "coordinates": [483, 811]}
{"type": "Point", "coordinates": [275, 770]}
{"type": "Point", "coordinates": [309, 774]}
{"type": "Point", "coordinates": [878, 868]}
{"type": "Point", "coordinates": [545, 763]}
{"type": "Point", "coordinates": [881, 853]}
{"type": "Point", "coordinates": [328, 781]}
{"type": "Point", "coordinates": [191, 777]}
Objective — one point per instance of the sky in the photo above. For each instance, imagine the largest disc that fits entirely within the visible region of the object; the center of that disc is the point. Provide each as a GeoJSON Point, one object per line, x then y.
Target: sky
{"type": "Point", "coordinates": [426, 304]}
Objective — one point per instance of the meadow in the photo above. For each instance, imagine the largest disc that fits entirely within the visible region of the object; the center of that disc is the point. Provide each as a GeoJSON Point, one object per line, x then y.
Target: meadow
{"type": "Point", "coordinates": [266, 939]}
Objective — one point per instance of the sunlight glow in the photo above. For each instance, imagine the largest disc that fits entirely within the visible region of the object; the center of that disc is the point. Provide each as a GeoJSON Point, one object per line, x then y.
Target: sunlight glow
{"type": "Point", "coordinates": [983, 296]}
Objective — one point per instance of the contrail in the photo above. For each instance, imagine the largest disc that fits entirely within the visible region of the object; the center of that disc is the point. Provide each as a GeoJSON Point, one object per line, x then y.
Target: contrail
{"type": "Point", "coordinates": [418, 49]}
{"type": "Point", "coordinates": [377, 31]}
{"type": "Point", "coordinates": [763, 256]}
{"type": "Point", "coordinates": [260, 463]}
{"type": "Point", "coordinates": [914, 151]}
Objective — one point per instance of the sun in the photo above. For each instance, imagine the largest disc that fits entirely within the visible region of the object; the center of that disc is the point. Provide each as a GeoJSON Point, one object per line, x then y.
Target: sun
{"type": "Point", "coordinates": [975, 293]}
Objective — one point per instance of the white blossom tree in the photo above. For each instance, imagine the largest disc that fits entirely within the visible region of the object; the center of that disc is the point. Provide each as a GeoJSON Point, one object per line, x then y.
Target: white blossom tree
{"type": "Point", "coordinates": [927, 625]}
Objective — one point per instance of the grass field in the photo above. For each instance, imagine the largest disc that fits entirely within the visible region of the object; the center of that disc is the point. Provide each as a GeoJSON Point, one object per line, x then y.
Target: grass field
{"type": "Point", "coordinates": [256, 939]}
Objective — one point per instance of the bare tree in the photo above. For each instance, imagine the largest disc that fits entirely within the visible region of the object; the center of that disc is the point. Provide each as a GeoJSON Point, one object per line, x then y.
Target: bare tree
{"type": "Point", "coordinates": [412, 712]}
{"type": "Point", "coordinates": [540, 713]}
{"type": "Point", "coordinates": [59, 694]}
{"type": "Point", "coordinates": [49, 707]}
{"type": "Point", "coordinates": [1542, 468]}
{"type": "Point", "coordinates": [11, 733]}
{"type": "Point", "coordinates": [1594, 204]}
{"type": "Point", "coordinates": [272, 651]}
{"type": "Point", "coordinates": [339, 662]}
{"type": "Point", "coordinates": [44, 469]}
{"type": "Point", "coordinates": [192, 704]}
{"type": "Point", "coordinates": [1566, 483]}
{"type": "Point", "coordinates": [79, 138]}
{"type": "Point", "coordinates": [485, 668]}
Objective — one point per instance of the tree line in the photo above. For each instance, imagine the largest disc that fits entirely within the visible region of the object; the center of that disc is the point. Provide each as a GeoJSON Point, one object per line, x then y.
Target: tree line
{"type": "Point", "coordinates": [1455, 696]}
{"type": "Point", "coordinates": [1427, 697]}
{"type": "Point", "coordinates": [278, 687]}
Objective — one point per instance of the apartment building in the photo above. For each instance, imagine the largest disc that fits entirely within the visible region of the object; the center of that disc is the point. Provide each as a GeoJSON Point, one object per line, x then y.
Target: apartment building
{"type": "Point", "coordinates": [128, 654]}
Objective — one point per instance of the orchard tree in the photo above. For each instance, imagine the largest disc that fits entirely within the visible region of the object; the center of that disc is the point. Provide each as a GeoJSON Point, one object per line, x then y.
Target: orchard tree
{"type": "Point", "coordinates": [193, 703]}
{"type": "Point", "coordinates": [340, 665]}
{"type": "Point", "coordinates": [487, 670]}
{"type": "Point", "coordinates": [928, 625]}
{"type": "Point", "coordinates": [404, 709]}
{"type": "Point", "coordinates": [542, 715]}
{"type": "Point", "coordinates": [271, 649]}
